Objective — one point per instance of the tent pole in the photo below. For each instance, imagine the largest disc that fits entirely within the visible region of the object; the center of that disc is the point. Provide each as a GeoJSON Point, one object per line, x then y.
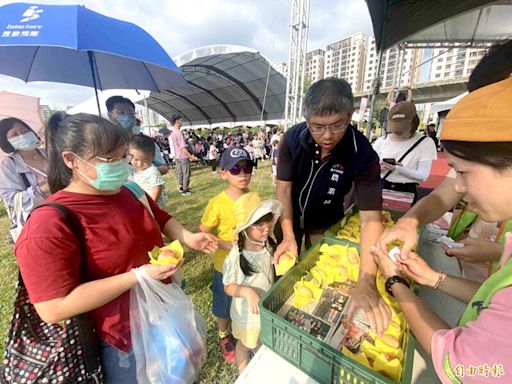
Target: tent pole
{"type": "Point", "coordinates": [147, 114]}
{"type": "Point", "coordinates": [265, 96]}
{"type": "Point", "coordinates": [375, 92]}
{"type": "Point", "coordinates": [400, 74]}
{"type": "Point", "coordinates": [91, 63]}
{"type": "Point", "coordinates": [376, 84]}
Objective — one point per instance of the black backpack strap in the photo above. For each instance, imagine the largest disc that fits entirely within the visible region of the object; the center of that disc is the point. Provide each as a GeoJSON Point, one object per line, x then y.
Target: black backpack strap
{"type": "Point", "coordinates": [23, 177]}
{"type": "Point", "coordinates": [405, 154]}
{"type": "Point", "coordinates": [25, 180]}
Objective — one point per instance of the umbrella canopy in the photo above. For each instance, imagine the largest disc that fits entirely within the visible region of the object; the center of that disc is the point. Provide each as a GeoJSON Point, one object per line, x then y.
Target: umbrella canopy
{"type": "Point", "coordinates": [72, 44]}
{"type": "Point", "coordinates": [439, 21]}
{"type": "Point", "coordinates": [23, 107]}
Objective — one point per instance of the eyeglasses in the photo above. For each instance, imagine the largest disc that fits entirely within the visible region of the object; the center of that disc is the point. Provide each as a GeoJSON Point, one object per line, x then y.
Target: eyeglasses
{"type": "Point", "coordinates": [336, 127]}
{"type": "Point", "coordinates": [237, 169]}
{"type": "Point", "coordinates": [126, 158]}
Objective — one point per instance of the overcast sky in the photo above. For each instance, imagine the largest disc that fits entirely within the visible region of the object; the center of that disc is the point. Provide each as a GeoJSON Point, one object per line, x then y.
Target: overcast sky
{"type": "Point", "coordinates": [181, 25]}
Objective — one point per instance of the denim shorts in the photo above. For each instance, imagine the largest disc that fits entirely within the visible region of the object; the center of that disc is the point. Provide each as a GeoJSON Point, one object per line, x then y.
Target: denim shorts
{"type": "Point", "coordinates": [118, 366]}
{"type": "Point", "coordinates": [221, 302]}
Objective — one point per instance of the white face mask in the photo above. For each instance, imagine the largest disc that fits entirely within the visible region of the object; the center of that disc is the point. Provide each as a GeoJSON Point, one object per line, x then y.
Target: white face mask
{"type": "Point", "coordinates": [26, 141]}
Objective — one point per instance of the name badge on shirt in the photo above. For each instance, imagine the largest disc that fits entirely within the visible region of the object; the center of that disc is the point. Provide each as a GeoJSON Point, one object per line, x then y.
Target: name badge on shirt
{"type": "Point", "coordinates": [334, 183]}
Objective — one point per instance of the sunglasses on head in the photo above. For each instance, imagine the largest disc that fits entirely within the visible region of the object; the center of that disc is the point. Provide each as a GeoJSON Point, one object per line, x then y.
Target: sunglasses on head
{"type": "Point", "coordinates": [247, 168]}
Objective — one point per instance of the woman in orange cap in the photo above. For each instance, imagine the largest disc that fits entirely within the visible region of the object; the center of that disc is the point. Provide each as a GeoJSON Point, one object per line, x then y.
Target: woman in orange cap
{"type": "Point", "coordinates": [477, 138]}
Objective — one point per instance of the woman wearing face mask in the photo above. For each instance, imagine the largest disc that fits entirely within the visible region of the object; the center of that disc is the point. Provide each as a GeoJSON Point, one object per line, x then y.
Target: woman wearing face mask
{"type": "Point", "coordinates": [88, 164]}
{"type": "Point", "coordinates": [23, 181]}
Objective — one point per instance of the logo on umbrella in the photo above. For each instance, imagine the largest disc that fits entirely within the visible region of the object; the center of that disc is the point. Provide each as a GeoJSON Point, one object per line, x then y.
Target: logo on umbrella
{"type": "Point", "coordinates": [31, 13]}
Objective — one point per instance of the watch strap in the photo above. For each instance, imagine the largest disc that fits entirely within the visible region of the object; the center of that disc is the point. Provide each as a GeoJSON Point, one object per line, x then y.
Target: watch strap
{"type": "Point", "coordinates": [392, 280]}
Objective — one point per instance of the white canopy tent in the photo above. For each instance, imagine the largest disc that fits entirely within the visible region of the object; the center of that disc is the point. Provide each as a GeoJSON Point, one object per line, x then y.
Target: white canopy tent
{"type": "Point", "coordinates": [90, 106]}
{"type": "Point", "coordinates": [440, 22]}
{"type": "Point", "coordinates": [446, 105]}
{"type": "Point", "coordinates": [232, 124]}
{"type": "Point", "coordinates": [228, 84]}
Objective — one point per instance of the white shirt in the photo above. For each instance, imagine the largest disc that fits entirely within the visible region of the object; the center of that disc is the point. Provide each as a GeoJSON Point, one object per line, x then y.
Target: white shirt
{"type": "Point", "coordinates": [260, 281]}
{"type": "Point", "coordinates": [212, 153]}
{"type": "Point", "coordinates": [424, 152]}
{"type": "Point", "coordinates": [147, 180]}
{"type": "Point", "coordinates": [257, 144]}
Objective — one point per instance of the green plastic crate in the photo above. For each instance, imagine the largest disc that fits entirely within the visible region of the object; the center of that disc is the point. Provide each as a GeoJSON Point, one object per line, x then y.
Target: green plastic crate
{"type": "Point", "coordinates": [332, 231]}
{"type": "Point", "coordinates": [317, 359]}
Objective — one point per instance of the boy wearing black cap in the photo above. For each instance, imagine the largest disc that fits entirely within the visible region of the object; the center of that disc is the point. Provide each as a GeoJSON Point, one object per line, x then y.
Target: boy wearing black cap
{"type": "Point", "coordinates": [236, 168]}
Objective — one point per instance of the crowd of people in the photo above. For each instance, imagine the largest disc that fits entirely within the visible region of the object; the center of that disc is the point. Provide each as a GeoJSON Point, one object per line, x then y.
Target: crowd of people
{"type": "Point", "coordinates": [317, 166]}
{"type": "Point", "coordinates": [211, 144]}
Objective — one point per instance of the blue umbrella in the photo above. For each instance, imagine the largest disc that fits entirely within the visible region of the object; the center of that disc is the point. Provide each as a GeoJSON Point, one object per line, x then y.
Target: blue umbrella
{"type": "Point", "coordinates": [72, 44]}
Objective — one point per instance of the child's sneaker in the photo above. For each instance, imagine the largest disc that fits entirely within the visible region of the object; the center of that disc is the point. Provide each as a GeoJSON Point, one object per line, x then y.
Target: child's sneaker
{"type": "Point", "coordinates": [227, 347]}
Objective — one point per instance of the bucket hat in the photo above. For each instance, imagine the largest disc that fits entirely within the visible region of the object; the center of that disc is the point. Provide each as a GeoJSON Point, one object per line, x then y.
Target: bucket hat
{"type": "Point", "coordinates": [249, 208]}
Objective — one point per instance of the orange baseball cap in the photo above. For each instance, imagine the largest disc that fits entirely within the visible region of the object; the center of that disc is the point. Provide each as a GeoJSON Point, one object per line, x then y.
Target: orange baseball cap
{"type": "Point", "coordinates": [484, 115]}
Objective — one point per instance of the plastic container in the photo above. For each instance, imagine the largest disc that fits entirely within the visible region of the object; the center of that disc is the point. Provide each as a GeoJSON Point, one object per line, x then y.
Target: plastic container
{"type": "Point", "coordinates": [332, 231]}
{"type": "Point", "coordinates": [317, 359]}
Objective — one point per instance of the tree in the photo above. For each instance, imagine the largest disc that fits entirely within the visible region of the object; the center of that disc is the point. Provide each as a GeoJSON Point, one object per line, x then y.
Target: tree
{"type": "Point", "coordinates": [306, 84]}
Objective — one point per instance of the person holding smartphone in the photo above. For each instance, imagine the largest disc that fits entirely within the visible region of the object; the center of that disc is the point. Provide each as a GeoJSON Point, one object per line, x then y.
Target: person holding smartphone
{"type": "Point", "coordinates": [405, 155]}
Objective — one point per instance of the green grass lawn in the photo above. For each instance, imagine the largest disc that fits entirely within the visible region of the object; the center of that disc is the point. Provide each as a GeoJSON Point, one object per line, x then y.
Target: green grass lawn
{"type": "Point", "coordinates": [198, 269]}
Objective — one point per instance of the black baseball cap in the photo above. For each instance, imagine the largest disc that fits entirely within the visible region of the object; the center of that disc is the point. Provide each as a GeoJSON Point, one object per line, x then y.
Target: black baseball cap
{"type": "Point", "coordinates": [232, 156]}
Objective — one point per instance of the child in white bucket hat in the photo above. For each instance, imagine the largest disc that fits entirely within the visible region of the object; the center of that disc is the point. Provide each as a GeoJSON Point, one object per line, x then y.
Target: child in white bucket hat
{"type": "Point", "coordinates": [248, 270]}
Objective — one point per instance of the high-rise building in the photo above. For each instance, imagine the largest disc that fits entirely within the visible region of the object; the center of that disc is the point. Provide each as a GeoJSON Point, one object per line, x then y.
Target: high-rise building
{"type": "Point", "coordinates": [155, 119]}
{"type": "Point", "coordinates": [390, 66]}
{"type": "Point", "coordinates": [45, 112]}
{"type": "Point", "coordinates": [454, 63]}
{"type": "Point", "coordinates": [315, 61]}
{"type": "Point", "coordinates": [281, 67]}
{"type": "Point", "coordinates": [345, 59]}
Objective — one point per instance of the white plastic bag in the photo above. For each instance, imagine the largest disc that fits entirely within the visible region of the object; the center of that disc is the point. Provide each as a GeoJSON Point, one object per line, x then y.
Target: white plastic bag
{"type": "Point", "coordinates": [168, 336]}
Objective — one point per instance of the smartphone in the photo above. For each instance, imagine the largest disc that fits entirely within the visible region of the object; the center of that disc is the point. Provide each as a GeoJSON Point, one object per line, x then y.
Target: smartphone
{"type": "Point", "coordinates": [389, 161]}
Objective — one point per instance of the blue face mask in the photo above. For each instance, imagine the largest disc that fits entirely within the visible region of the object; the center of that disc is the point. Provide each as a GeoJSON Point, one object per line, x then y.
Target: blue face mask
{"type": "Point", "coordinates": [109, 176]}
{"type": "Point", "coordinates": [126, 121]}
{"type": "Point", "coordinates": [26, 141]}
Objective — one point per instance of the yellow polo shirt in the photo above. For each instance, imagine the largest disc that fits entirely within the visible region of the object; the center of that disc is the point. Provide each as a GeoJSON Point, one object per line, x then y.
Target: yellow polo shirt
{"type": "Point", "coordinates": [219, 215]}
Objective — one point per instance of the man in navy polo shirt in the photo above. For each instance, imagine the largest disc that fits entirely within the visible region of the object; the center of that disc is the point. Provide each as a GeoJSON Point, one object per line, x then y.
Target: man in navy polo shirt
{"type": "Point", "coordinates": [319, 161]}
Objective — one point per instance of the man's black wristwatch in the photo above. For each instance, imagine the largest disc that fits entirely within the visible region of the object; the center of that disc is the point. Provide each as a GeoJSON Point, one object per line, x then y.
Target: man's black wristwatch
{"type": "Point", "coordinates": [395, 279]}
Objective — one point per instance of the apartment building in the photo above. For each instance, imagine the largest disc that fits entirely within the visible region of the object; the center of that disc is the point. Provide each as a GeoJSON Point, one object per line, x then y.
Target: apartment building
{"type": "Point", "coordinates": [281, 67]}
{"type": "Point", "coordinates": [454, 63]}
{"type": "Point", "coordinates": [46, 112]}
{"type": "Point", "coordinates": [346, 58]}
{"type": "Point", "coordinates": [390, 66]}
{"type": "Point", "coordinates": [155, 118]}
{"type": "Point", "coordinates": [315, 63]}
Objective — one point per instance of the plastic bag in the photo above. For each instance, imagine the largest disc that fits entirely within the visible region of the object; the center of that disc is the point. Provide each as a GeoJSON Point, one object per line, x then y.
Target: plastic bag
{"type": "Point", "coordinates": [168, 336]}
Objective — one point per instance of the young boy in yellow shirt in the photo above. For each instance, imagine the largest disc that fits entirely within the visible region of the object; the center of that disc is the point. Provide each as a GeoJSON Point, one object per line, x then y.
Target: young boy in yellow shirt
{"type": "Point", "coordinates": [236, 168]}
